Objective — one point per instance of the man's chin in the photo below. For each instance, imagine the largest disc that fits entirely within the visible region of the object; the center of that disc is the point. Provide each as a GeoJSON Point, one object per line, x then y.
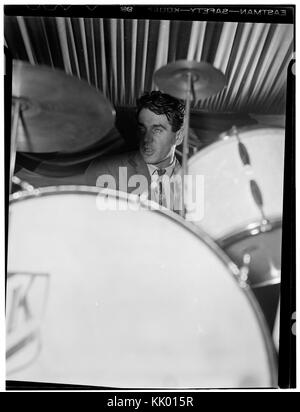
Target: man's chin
{"type": "Point", "coordinates": [149, 157]}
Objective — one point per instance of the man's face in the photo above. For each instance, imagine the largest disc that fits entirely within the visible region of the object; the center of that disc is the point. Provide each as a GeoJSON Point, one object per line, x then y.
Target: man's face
{"type": "Point", "coordinates": [157, 140]}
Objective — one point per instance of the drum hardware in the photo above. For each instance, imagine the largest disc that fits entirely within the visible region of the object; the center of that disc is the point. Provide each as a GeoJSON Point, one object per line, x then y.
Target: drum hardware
{"type": "Point", "coordinates": [265, 226]}
{"type": "Point", "coordinates": [224, 136]}
{"type": "Point", "coordinates": [23, 184]}
{"type": "Point", "coordinates": [189, 81]}
{"type": "Point", "coordinates": [256, 243]}
{"type": "Point", "coordinates": [244, 271]}
{"type": "Point", "coordinates": [264, 267]}
{"type": "Point", "coordinates": [254, 186]}
{"type": "Point", "coordinates": [252, 229]}
{"type": "Point", "coordinates": [258, 199]}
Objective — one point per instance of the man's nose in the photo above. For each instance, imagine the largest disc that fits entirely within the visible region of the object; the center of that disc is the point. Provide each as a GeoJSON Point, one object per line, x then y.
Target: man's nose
{"type": "Point", "coordinates": [148, 138]}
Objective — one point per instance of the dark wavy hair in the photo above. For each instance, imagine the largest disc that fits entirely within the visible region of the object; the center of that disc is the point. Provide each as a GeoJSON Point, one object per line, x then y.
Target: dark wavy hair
{"type": "Point", "coordinates": [161, 103]}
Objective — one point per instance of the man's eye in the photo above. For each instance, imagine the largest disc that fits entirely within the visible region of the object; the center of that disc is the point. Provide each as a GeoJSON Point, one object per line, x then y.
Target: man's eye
{"type": "Point", "coordinates": [157, 130]}
{"type": "Point", "coordinates": [141, 130]}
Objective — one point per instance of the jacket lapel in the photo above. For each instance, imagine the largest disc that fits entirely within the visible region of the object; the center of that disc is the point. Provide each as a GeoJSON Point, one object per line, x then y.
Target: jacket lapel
{"type": "Point", "coordinates": [139, 166]}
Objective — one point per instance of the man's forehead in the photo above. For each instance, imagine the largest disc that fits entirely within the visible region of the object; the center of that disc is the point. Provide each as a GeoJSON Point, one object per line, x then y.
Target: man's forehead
{"type": "Point", "coordinates": [148, 117]}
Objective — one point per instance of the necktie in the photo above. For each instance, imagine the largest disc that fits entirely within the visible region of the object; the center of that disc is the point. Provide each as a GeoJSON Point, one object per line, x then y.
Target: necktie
{"type": "Point", "coordinates": [160, 173]}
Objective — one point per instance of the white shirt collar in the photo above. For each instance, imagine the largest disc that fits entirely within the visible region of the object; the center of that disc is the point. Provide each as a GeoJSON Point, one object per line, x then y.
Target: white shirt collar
{"type": "Point", "coordinates": [169, 169]}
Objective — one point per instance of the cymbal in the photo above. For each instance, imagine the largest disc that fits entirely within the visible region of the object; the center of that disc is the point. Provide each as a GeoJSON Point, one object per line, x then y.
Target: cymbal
{"type": "Point", "coordinates": [173, 79]}
{"type": "Point", "coordinates": [59, 112]}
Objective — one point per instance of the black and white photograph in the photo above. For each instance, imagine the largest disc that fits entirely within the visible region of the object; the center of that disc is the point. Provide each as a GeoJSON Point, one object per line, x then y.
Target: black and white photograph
{"type": "Point", "coordinates": [150, 232]}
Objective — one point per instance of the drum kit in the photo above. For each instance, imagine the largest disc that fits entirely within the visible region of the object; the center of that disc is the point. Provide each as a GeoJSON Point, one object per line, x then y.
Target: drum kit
{"type": "Point", "coordinates": [133, 297]}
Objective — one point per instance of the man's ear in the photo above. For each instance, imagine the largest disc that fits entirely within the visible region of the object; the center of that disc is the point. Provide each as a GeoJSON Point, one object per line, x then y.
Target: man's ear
{"type": "Point", "coordinates": [179, 136]}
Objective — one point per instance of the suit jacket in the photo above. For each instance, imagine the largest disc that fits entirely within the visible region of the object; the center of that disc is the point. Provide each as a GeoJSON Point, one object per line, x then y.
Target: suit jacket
{"type": "Point", "coordinates": [124, 169]}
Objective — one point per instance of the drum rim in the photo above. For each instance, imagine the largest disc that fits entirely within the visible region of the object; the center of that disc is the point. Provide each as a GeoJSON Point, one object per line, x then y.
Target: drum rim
{"type": "Point", "coordinates": [250, 230]}
{"type": "Point", "coordinates": [250, 128]}
{"type": "Point", "coordinates": [195, 230]}
{"type": "Point", "coordinates": [146, 204]}
{"type": "Point", "coordinates": [227, 138]}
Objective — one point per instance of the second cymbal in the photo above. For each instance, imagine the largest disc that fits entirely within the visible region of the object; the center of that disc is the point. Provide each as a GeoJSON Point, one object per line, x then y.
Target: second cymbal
{"type": "Point", "coordinates": [173, 79]}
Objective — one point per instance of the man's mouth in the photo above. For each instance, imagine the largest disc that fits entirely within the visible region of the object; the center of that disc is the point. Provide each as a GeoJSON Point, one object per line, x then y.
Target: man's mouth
{"type": "Point", "coordinates": [147, 149]}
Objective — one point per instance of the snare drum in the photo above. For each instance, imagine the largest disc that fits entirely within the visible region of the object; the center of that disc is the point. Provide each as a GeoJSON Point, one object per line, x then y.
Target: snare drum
{"type": "Point", "coordinates": [102, 290]}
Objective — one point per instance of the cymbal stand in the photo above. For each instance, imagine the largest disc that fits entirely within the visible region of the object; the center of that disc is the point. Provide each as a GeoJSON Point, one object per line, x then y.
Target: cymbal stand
{"type": "Point", "coordinates": [13, 140]}
{"type": "Point", "coordinates": [190, 96]}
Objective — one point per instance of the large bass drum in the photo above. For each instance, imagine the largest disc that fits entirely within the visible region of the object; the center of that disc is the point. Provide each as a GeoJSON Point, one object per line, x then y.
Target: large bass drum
{"type": "Point", "coordinates": [104, 291]}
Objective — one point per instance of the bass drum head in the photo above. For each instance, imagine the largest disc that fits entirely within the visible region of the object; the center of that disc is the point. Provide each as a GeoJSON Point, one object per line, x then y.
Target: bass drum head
{"type": "Point", "coordinates": [125, 298]}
